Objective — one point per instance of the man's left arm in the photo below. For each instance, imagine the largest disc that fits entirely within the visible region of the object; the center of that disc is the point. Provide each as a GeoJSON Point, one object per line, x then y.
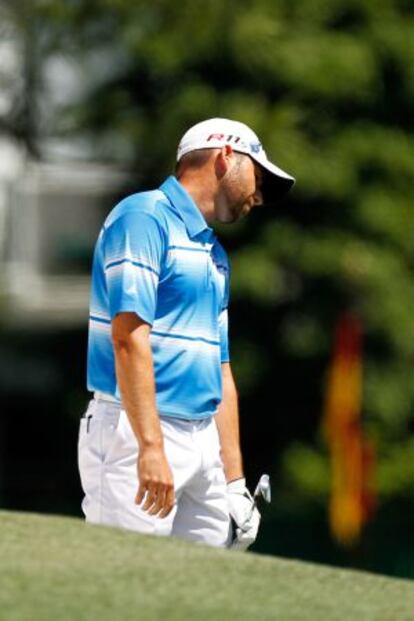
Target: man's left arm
{"type": "Point", "coordinates": [242, 509]}
{"type": "Point", "coordinates": [227, 420]}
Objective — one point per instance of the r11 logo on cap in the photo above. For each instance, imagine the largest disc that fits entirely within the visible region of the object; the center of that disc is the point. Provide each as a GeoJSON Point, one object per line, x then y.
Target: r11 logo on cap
{"type": "Point", "coordinates": [229, 138]}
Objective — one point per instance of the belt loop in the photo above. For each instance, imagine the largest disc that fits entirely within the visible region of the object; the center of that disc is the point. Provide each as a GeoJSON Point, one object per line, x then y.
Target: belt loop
{"type": "Point", "coordinates": [88, 421]}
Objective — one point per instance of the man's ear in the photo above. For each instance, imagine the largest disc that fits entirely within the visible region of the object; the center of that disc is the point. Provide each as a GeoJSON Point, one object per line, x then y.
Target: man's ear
{"type": "Point", "coordinates": [223, 161]}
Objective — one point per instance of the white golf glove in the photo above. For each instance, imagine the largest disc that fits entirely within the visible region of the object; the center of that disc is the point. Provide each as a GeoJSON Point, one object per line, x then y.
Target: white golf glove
{"type": "Point", "coordinates": [244, 514]}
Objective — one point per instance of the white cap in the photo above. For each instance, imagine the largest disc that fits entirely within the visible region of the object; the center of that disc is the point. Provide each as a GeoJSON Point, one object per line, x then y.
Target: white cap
{"type": "Point", "coordinates": [215, 133]}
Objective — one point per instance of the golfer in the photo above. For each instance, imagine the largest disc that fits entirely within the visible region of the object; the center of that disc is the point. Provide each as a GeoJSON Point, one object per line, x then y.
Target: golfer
{"type": "Point", "coordinates": [159, 448]}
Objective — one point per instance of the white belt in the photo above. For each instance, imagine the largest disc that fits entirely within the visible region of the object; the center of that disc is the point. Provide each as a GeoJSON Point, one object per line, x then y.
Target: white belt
{"type": "Point", "coordinates": [103, 396]}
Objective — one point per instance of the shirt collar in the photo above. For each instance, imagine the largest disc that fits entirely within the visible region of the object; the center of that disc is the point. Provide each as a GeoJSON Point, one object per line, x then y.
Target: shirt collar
{"type": "Point", "coordinates": [193, 219]}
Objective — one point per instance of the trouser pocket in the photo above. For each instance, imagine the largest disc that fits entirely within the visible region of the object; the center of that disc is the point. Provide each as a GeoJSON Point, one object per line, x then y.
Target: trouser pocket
{"type": "Point", "coordinates": [98, 431]}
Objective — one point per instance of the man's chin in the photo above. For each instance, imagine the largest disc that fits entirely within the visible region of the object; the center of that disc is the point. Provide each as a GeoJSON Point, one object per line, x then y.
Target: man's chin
{"type": "Point", "coordinates": [229, 220]}
{"type": "Point", "coordinates": [229, 217]}
{"type": "Point", "coordinates": [235, 214]}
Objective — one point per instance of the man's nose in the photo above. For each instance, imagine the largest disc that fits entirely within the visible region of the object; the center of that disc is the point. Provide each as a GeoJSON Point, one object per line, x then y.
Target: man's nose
{"type": "Point", "coordinates": [258, 197]}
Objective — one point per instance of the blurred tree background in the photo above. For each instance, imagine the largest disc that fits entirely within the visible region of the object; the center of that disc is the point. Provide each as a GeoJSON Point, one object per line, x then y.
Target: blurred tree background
{"type": "Point", "coordinates": [328, 85]}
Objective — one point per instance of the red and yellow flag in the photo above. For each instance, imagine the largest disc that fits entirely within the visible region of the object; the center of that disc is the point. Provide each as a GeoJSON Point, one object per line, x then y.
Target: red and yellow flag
{"type": "Point", "coordinates": [352, 455]}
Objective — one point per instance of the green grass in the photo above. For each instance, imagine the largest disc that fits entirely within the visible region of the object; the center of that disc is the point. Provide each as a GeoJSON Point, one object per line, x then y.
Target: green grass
{"type": "Point", "coordinates": [60, 569]}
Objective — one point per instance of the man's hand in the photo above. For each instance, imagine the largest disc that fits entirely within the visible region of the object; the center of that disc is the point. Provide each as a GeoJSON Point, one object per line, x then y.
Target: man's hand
{"type": "Point", "coordinates": [155, 482]}
{"type": "Point", "coordinates": [244, 514]}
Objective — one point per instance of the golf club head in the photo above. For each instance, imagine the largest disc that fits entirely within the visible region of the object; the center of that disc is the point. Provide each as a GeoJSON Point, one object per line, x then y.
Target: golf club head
{"type": "Point", "coordinates": [263, 488]}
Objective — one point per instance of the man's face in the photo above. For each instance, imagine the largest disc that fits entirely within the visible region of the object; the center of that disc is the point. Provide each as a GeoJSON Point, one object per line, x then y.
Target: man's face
{"type": "Point", "coordinates": [240, 189]}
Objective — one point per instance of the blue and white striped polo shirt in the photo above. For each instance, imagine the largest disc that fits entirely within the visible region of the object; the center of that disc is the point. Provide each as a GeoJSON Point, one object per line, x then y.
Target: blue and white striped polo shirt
{"type": "Point", "coordinates": [157, 257]}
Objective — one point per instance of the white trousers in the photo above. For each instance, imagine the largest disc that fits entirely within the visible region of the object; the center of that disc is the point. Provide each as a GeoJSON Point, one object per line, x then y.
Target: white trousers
{"type": "Point", "coordinates": [107, 457]}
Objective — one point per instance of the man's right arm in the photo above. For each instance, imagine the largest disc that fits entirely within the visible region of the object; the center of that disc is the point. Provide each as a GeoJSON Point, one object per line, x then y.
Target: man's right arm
{"type": "Point", "coordinates": [135, 376]}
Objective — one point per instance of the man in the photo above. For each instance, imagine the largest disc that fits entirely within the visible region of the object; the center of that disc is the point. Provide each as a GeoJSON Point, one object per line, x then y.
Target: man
{"type": "Point", "coordinates": [159, 447]}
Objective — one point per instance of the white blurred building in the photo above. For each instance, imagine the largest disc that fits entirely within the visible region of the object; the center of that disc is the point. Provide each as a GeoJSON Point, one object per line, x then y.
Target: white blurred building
{"type": "Point", "coordinates": [50, 213]}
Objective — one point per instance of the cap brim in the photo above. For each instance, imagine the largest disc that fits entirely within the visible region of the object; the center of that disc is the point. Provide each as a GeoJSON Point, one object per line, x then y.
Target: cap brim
{"type": "Point", "coordinates": [276, 182]}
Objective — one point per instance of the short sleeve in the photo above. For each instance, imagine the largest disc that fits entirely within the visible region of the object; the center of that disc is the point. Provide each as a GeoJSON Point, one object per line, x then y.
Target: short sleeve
{"type": "Point", "coordinates": [224, 336]}
{"type": "Point", "coordinates": [133, 253]}
{"type": "Point", "coordinates": [223, 319]}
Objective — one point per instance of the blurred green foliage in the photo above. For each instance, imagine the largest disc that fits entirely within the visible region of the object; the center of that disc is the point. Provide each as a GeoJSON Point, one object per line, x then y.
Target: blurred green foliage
{"type": "Point", "coordinates": [329, 87]}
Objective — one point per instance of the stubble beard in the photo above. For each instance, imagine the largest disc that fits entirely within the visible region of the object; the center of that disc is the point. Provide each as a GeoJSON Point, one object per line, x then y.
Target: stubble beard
{"type": "Point", "coordinates": [234, 206]}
